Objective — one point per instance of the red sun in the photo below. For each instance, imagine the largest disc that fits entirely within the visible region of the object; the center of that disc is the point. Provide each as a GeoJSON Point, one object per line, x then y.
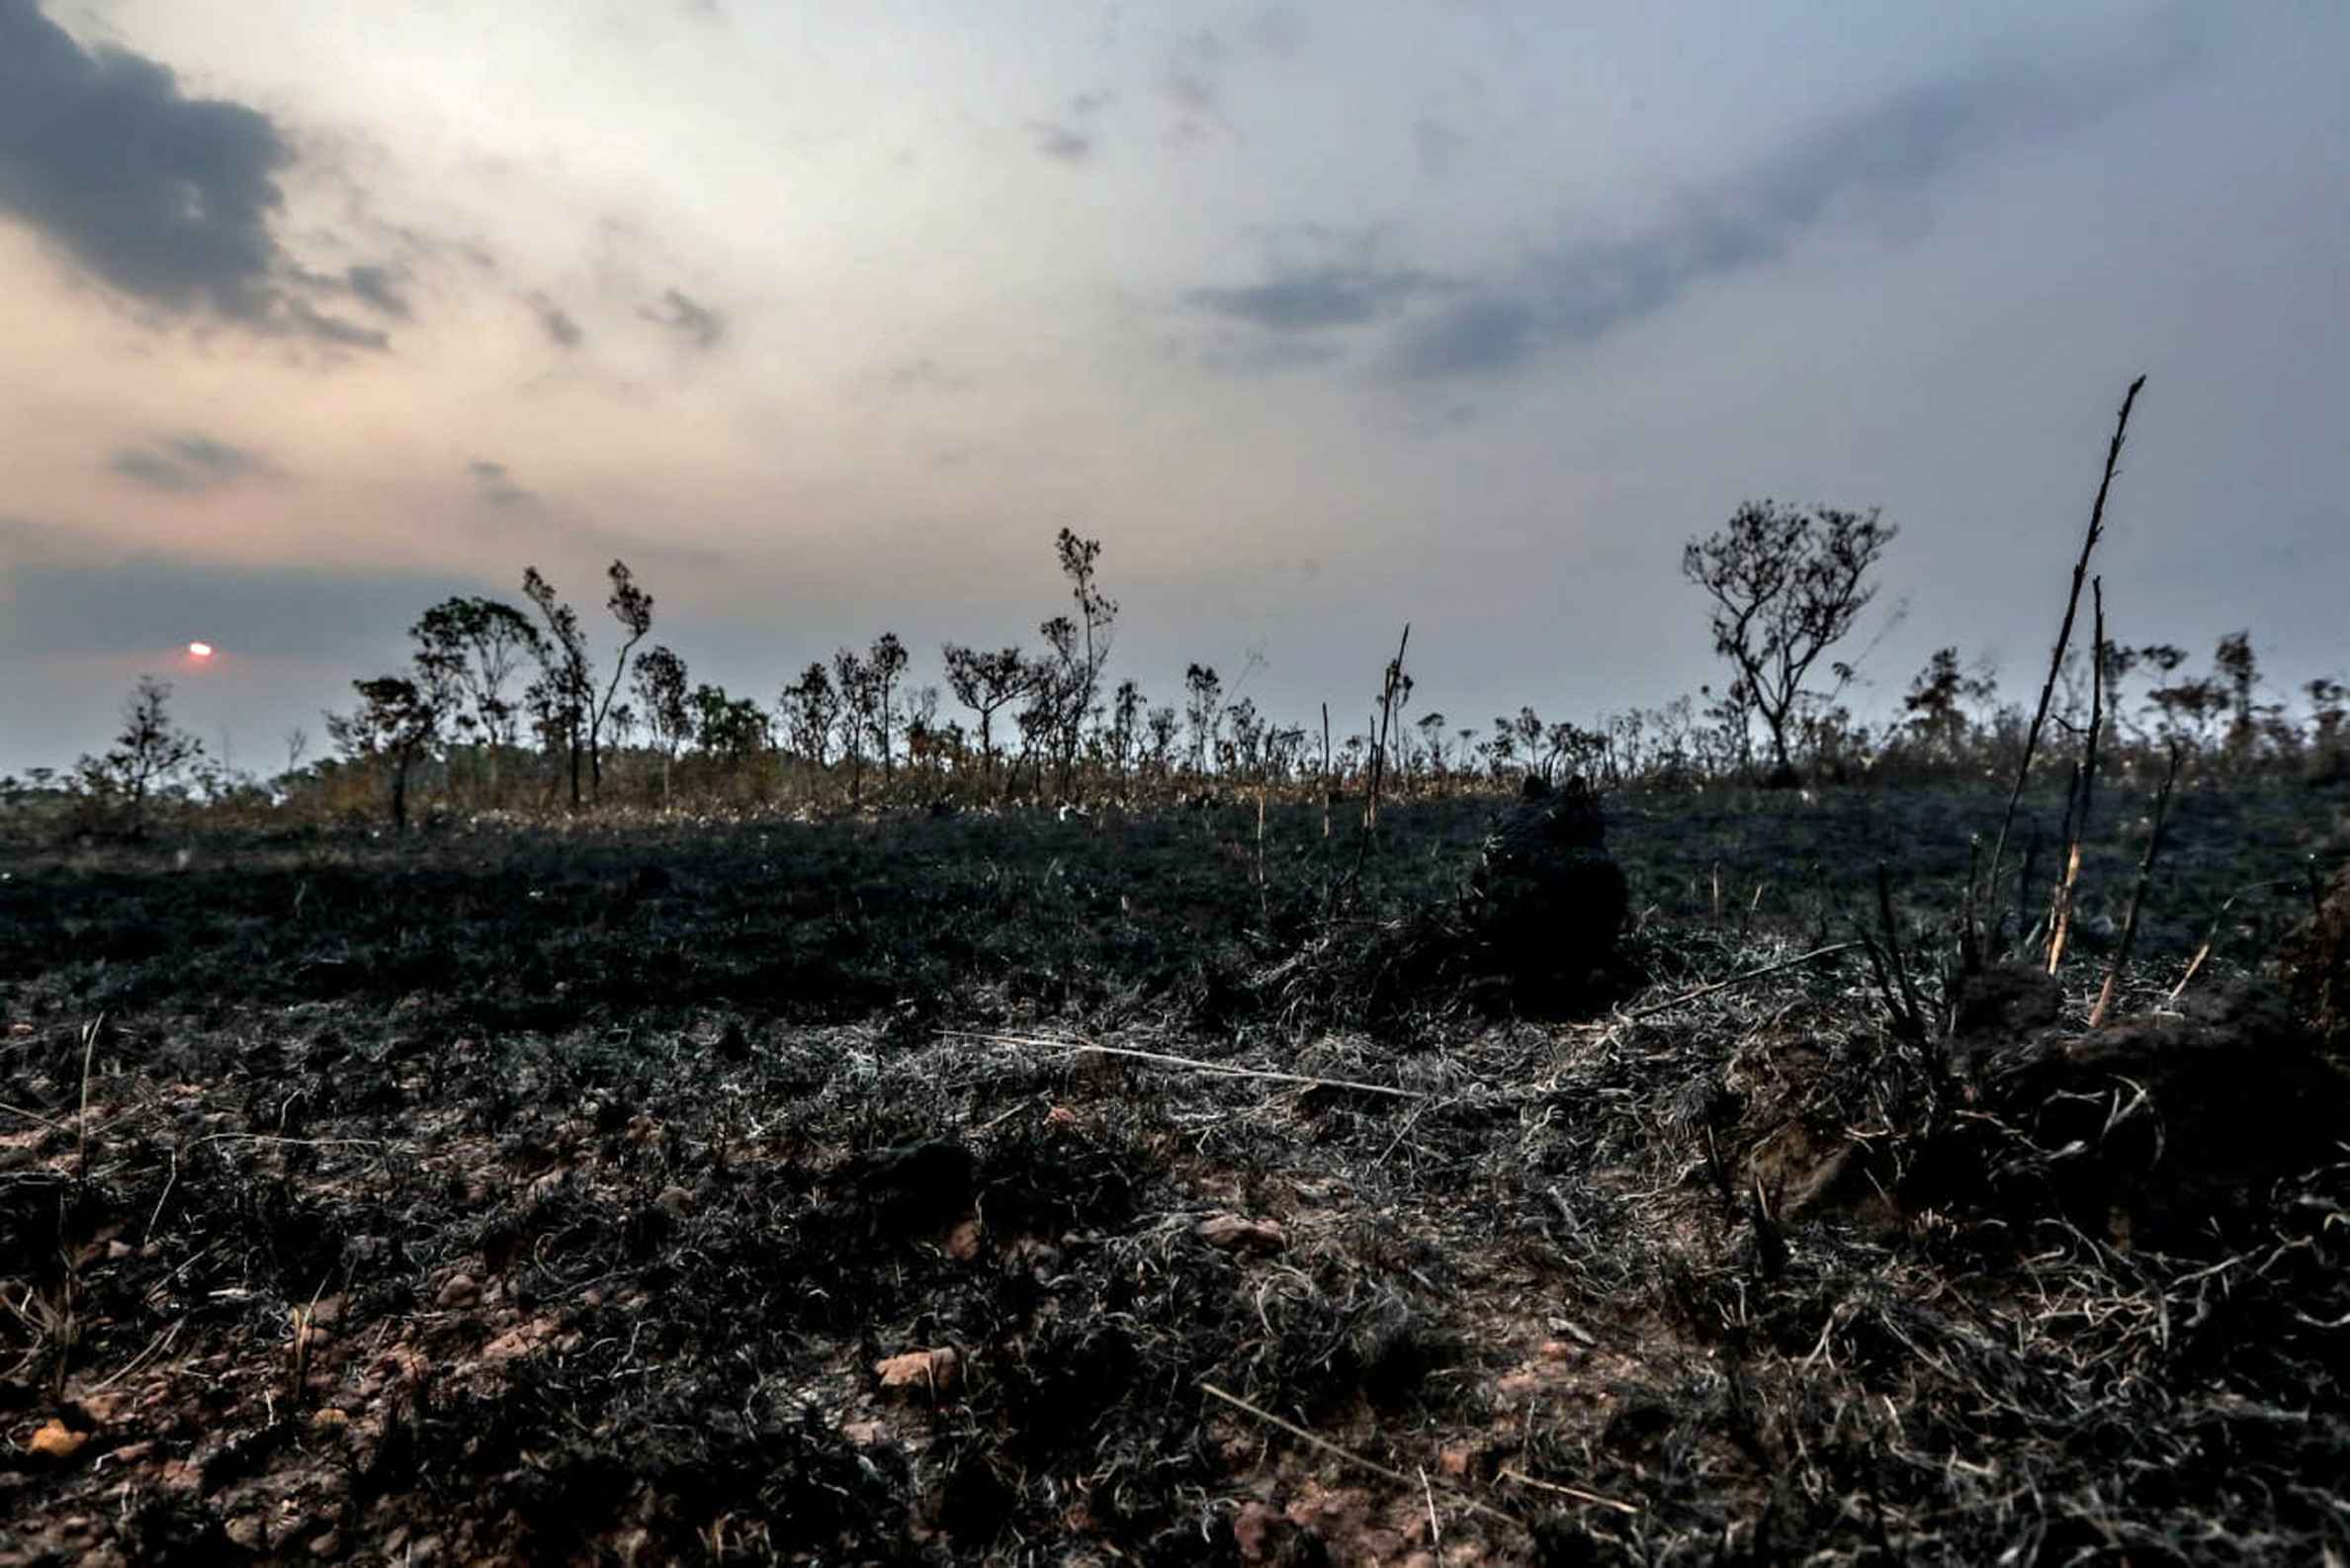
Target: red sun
{"type": "Point", "coordinates": [200, 651]}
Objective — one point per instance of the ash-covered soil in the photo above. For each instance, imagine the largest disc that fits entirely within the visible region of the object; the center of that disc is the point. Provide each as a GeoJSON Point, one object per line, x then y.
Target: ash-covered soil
{"type": "Point", "coordinates": [1136, 1191]}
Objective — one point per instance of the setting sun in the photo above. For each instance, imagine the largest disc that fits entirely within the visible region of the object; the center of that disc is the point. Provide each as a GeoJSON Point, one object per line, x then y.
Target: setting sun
{"type": "Point", "coordinates": [200, 650]}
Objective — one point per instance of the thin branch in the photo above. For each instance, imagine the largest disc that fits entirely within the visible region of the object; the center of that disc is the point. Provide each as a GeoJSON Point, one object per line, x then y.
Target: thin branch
{"type": "Point", "coordinates": [1655, 1008]}
{"type": "Point", "coordinates": [32, 1117]}
{"type": "Point", "coordinates": [1563, 1490]}
{"type": "Point", "coordinates": [1353, 1458]}
{"type": "Point", "coordinates": [2211, 937]}
{"type": "Point", "coordinates": [1189, 1063]}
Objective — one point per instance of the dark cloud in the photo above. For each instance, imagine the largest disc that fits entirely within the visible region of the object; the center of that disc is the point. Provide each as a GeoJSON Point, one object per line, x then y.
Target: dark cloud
{"type": "Point", "coordinates": [1314, 298]}
{"type": "Point", "coordinates": [498, 486]}
{"type": "Point", "coordinates": [556, 322]}
{"type": "Point", "coordinates": [924, 375]}
{"type": "Point", "coordinates": [1262, 354]}
{"type": "Point", "coordinates": [696, 321]}
{"type": "Point", "coordinates": [1489, 331]}
{"type": "Point", "coordinates": [1192, 73]}
{"type": "Point", "coordinates": [1898, 149]}
{"type": "Point", "coordinates": [1438, 145]}
{"type": "Point", "coordinates": [166, 199]}
{"type": "Point", "coordinates": [1065, 138]}
{"type": "Point", "coordinates": [1062, 144]}
{"type": "Point", "coordinates": [183, 465]}
{"type": "Point", "coordinates": [380, 286]}
{"type": "Point", "coordinates": [84, 607]}
{"type": "Point", "coordinates": [1277, 30]}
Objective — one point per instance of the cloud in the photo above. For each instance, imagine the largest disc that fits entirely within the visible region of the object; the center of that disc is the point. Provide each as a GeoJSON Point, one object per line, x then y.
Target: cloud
{"type": "Point", "coordinates": [380, 286]}
{"type": "Point", "coordinates": [696, 321]}
{"type": "Point", "coordinates": [1061, 144]}
{"type": "Point", "coordinates": [1189, 73]}
{"type": "Point", "coordinates": [555, 322]}
{"type": "Point", "coordinates": [91, 606]}
{"type": "Point", "coordinates": [1438, 145]}
{"type": "Point", "coordinates": [926, 374]}
{"type": "Point", "coordinates": [165, 198]}
{"type": "Point", "coordinates": [1261, 354]}
{"type": "Point", "coordinates": [1309, 299]}
{"type": "Point", "coordinates": [1487, 331]}
{"type": "Point", "coordinates": [498, 486]}
{"type": "Point", "coordinates": [185, 465]}
{"type": "Point", "coordinates": [1065, 139]}
{"type": "Point", "coordinates": [1588, 288]}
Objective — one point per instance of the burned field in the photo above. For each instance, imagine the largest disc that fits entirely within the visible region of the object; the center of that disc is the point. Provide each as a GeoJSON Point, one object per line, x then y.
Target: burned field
{"type": "Point", "coordinates": [1174, 1188]}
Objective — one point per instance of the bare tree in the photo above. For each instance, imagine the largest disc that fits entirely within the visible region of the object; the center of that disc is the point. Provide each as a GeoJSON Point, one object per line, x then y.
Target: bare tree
{"type": "Point", "coordinates": [859, 692]}
{"type": "Point", "coordinates": [149, 754]}
{"type": "Point", "coordinates": [481, 642]}
{"type": "Point", "coordinates": [1786, 585]}
{"type": "Point", "coordinates": [1203, 708]}
{"type": "Point", "coordinates": [632, 607]}
{"type": "Point", "coordinates": [1125, 733]}
{"type": "Point", "coordinates": [659, 685]}
{"type": "Point", "coordinates": [810, 707]}
{"type": "Point", "coordinates": [1939, 700]}
{"type": "Point", "coordinates": [398, 718]}
{"type": "Point", "coordinates": [986, 683]}
{"type": "Point", "coordinates": [885, 663]}
{"type": "Point", "coordinates": [734, 729]}
{"type": "Point", "coordinates": [1085, 650]}
{"type": "Point", "coordinates": [560, 696]}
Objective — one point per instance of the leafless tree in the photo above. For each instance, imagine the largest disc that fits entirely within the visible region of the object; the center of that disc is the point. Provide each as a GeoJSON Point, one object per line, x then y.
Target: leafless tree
{"type": "Point", "coordinates": [660, 687]}
{"type": "Point", "coordinates": [1786, 585]}
{"type": "Point", "coordinates": [986, 683]}
{"type": "Point", "coordinates": [398, 719]}
{"type": "Point", "coordinates": [149, 753]}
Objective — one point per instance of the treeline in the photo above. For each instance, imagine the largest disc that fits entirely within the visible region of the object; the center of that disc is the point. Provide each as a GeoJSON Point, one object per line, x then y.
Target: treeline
{"type": "Point", "coordinates": [503, 707]}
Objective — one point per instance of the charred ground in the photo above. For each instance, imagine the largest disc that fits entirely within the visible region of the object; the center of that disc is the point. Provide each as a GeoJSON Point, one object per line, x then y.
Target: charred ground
{"type": "Point", "coordinates": [731, 1192]}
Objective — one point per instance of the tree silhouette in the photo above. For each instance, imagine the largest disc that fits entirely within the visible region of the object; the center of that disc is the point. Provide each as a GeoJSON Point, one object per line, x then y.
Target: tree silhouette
{"type": "Point", "coordinates": [1786, 585]}
{"type": "Point", "coordinates": [560, 696]}
{"type": "Point", "coordinates": [149, 753]}
{"type": "Point", "coordinates": [481, 642]}
{"type": "Point", "coordinates": [810, 708]}
{"type": "Point", "coordinates": [632, 607]}
{"type": "Point", "coordinates": [986, 683]}
{"type": "Point", "coordinates": [659, 685]}
{"type": "Point", "coordinates": [398, 718]}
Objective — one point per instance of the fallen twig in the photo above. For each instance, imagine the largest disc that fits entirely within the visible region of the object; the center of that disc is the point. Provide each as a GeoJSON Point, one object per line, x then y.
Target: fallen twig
{"type": "Point", "coordinates": [32, 1117]}
{"type": "Point", "coordinates": [1192, 1064]}
{"type": "Point", "coordinates": [1655, 1008]}
{"type": "Point", "coordinates": [1351, 1457]}
{"type": "Point", "coordinates": [2211, 937]}
{"type": "Point", "coordinates": [1564, 1489]}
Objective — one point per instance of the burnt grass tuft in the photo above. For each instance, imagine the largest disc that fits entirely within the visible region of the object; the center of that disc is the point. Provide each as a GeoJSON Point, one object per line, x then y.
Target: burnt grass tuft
{"type": "Point", "coordinates": [736, 1193]}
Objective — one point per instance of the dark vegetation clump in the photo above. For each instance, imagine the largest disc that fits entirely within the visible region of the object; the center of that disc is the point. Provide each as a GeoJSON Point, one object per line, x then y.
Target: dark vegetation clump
{"type": "Point", "coordinates": [1547, 902]}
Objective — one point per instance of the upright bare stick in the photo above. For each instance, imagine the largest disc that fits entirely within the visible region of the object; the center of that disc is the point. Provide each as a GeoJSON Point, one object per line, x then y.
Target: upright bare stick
{"type": "Point", "coordinates": [2137, 895]}
{"type": "Point", "coordinates": [1389, 688]}
{"type": "Point", "coordinates": [2060, 917]}
{"type": "Point", "coordinates": [2072, 606]}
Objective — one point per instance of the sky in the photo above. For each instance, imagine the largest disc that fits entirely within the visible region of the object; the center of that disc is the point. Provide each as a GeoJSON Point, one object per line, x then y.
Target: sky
{"type": "Point", "coordinates": [826, 315]}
